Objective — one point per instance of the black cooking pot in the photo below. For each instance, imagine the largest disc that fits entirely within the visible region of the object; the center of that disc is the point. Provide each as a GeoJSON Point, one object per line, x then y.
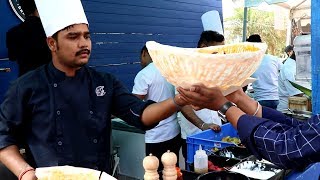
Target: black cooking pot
{"type": "Point", "coordinates": [222, 175]}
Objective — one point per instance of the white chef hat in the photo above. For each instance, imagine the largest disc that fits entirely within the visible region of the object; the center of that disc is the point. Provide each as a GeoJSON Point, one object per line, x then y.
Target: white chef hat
{"type": "Point", "coordinates": [55, 15]}
{"type": "Point", "coordinates": [211, 21]}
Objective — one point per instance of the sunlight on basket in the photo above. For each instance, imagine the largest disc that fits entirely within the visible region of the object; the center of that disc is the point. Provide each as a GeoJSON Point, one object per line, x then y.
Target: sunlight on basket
{"type": "Point", "coordinates": [227, 66]}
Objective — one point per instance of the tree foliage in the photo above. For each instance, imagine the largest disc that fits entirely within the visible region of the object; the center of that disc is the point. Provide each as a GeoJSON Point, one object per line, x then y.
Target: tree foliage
{"type": "Point", "coordinates": [259, 22]}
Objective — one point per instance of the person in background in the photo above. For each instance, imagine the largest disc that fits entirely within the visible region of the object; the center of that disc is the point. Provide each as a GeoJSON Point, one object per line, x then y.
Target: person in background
{"type": "Point", "coordinates": [290, 53]}
{"type": "Point", "coordinates": [266, 85]}
{"type": "Point", "coordinates": [149, 84]}
{"type": "Point", "coordinates": [267, 133]}
{"type": "Point", "coordinates": [287, 74]}
{"type": "Point", "coordinates": [61, 111]}
{"type": "Point", "coordinates": [26, 42]}
{"type": "Point", "coordinates": [210, 38]}
{"type": "Point", "coordinates": [193, 122]}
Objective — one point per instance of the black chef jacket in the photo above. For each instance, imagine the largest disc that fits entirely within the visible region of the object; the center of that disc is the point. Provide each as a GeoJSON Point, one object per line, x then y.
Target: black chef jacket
{"type": "Point", "coordinates": [66, 120]}
{"type": "Point", "coordinates": [26, 44]}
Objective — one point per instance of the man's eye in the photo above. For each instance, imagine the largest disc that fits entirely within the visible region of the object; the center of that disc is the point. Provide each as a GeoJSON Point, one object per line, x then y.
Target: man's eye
{"type": "Point", "coordinates": [88, 37]}
{"type": "Point", "coordinates": [72, 37]}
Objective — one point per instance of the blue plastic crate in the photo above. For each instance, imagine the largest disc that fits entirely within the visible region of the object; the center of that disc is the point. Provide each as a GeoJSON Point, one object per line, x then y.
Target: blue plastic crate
{"type": "Point", "coordinates": [311, 173]}
{"type": "Point", "coordinates": [209, 139]}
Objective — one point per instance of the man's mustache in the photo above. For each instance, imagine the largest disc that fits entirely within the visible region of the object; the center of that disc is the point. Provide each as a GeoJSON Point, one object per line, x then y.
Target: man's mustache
{"type": "Point", "coordinates": [83, 51]}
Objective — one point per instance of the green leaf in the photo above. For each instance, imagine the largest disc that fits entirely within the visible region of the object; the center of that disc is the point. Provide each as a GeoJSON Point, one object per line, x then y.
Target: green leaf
{"type": "Point", "coordinates": [305, 90]}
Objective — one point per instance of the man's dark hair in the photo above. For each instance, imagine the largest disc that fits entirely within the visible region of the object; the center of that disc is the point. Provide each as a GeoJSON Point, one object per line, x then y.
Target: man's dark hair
{"type": "Point", "coordinates": [288, 49]}
{"type": "Point", "coordinates": [28, 6]}
{"type": "Point", "coordinates": [254, 38]}
{"type": "Point", "coordinates": [210, 36]}
{"type": "Point", "coordinates": [144, 48]}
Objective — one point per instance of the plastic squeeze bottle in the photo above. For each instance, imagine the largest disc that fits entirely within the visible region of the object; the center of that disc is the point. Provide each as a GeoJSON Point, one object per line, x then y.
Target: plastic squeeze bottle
{"type": "Point", "coordinates": [200, 161]}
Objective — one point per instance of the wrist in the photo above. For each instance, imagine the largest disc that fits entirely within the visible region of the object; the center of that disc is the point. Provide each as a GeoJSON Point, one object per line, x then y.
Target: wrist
{"type": "Point", "coordinates": [224, 108]}
{"type": "Point", "coordinates": [202, 126]}
{"type": "Point", "coordinates": [176, 102]}
{"type": "Point", "coordinates": [26, 172]}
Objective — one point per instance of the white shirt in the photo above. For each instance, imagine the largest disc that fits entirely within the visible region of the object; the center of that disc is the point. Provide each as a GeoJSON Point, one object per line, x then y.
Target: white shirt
{"type": "Point", "coordinates": [287, 73]}
{"type": "Point", "coordinates": [154, 86]}
{"type": "Point", "coordinates": [206, 115]}
{"type": "Point", "coordinates": [266, 85]}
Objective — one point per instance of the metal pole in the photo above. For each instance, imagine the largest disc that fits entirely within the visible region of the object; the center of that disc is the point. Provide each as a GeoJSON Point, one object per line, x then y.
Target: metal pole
{"type": "Point", "coordinates": [315, 54]}
{"type": "Point", "coordinates": [245, 21]}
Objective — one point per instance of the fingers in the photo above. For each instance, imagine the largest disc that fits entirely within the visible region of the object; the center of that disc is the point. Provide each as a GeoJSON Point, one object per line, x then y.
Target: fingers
{"type": "Point", "coordinates": [192, 97]}
{"type": "Point", "coordinates": [215, 127]}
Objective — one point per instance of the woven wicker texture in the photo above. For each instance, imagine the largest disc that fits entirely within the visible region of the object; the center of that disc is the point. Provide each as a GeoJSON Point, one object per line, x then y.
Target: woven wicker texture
{"type": "Point", "coordinates": [223, 66]}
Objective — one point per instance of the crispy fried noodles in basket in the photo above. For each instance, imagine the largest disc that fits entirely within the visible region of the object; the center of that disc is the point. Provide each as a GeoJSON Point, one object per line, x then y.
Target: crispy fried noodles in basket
{"type": "Point", "coordinates": [228, 67]}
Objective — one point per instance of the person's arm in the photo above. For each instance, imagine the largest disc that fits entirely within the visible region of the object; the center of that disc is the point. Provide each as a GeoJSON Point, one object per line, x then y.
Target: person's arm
{"type": "Point", "coordinates": [249, 106]}
{"type": "Point", "coordinates": [156, 112]}
{"type": "Point", "coordinates": [141, 84]}
{"type": "Point", "coordinates": [12, 159]}
{"type": "Point", "coordinates": [212, 98]}
{"type": "Point", "coordinates": [12, 112]}
{"type": "Point", "coordinates": [143, 115]}
{"type": "Point", "coordinates": [140, 96]}
{"type": "Point", "coordinates": [191, 116]}
{"type": "Point", "coordinates": [286, 146]}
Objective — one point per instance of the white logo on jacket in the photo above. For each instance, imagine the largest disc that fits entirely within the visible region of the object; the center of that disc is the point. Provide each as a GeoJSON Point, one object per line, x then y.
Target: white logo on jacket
{"type": "Point", "coordinates": [100, 91]}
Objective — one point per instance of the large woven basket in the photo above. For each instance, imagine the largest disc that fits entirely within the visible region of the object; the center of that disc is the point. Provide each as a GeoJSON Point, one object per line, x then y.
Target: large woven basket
{"type": "Point", "coordinates": [227, 66]}
{"type": "Point", "coordinates": [70, 173]}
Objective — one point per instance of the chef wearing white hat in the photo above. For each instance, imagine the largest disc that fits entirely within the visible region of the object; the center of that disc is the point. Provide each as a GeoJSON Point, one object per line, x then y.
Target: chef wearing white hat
{"type": "Point", "coordinates": [61, 112]}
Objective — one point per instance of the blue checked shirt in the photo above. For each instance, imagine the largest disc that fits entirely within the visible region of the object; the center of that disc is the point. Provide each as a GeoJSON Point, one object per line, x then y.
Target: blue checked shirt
{"type": "Point", "coordinates": [287, 142]}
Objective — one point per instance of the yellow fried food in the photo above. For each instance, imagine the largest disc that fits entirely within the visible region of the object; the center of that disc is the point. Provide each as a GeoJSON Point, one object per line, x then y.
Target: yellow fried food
{"type": "Point", "coordinates": [229, 139]}
{"type": "Point", "coordinates": [60, 175]}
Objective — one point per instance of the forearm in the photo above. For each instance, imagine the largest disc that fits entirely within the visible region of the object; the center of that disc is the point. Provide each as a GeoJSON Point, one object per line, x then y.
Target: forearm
{"type": "Point", "coordinates": [12, 159]}
{"type": "Point", "coordinates": [158, 111]}
{"type": "Point", "coordinates": [233, 114]}
{"type": "Point", "coordinates": [247, 104]}
{"type": "Point", "coordinates": [191, 116]}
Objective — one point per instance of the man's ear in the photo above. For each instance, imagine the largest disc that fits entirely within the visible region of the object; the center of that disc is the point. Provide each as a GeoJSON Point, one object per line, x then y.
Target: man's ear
{"type": "Point", "coordinates": [52, 43]}
{"type": "Point", "coordinates": [143, 53]}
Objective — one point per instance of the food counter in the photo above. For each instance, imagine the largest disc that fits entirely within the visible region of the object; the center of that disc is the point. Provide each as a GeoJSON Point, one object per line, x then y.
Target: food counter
{"type": "Point", "coordinates": [129, 142]}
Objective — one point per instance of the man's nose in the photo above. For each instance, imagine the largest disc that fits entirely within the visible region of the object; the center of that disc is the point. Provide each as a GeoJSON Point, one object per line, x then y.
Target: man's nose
{"type": "Point", "coordinates": [84, 42]}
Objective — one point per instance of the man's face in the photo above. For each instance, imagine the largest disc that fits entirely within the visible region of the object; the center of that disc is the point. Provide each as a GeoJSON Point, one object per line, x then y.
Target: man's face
{"type": "Point", "coordinates": [145, 59]}
{"type": "Point", "coordinates": [289, 53]}
{"type": "Point", "coordinates": [73, 46]}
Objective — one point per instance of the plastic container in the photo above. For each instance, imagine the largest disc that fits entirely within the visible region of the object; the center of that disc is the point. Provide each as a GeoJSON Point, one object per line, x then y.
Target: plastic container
{"type": "Point", "coordinates": [255, 169]}
{"type": "Point", "coordinates": [302, 48]}
{"type": "Point", "coordinates": [209, 139]}
{"type": "Point", "coordinates": [200, 161]}
{"type": "Point", "coordinates": [222, 175]}
{"type": "Point", "coordinates": [238, 153]}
